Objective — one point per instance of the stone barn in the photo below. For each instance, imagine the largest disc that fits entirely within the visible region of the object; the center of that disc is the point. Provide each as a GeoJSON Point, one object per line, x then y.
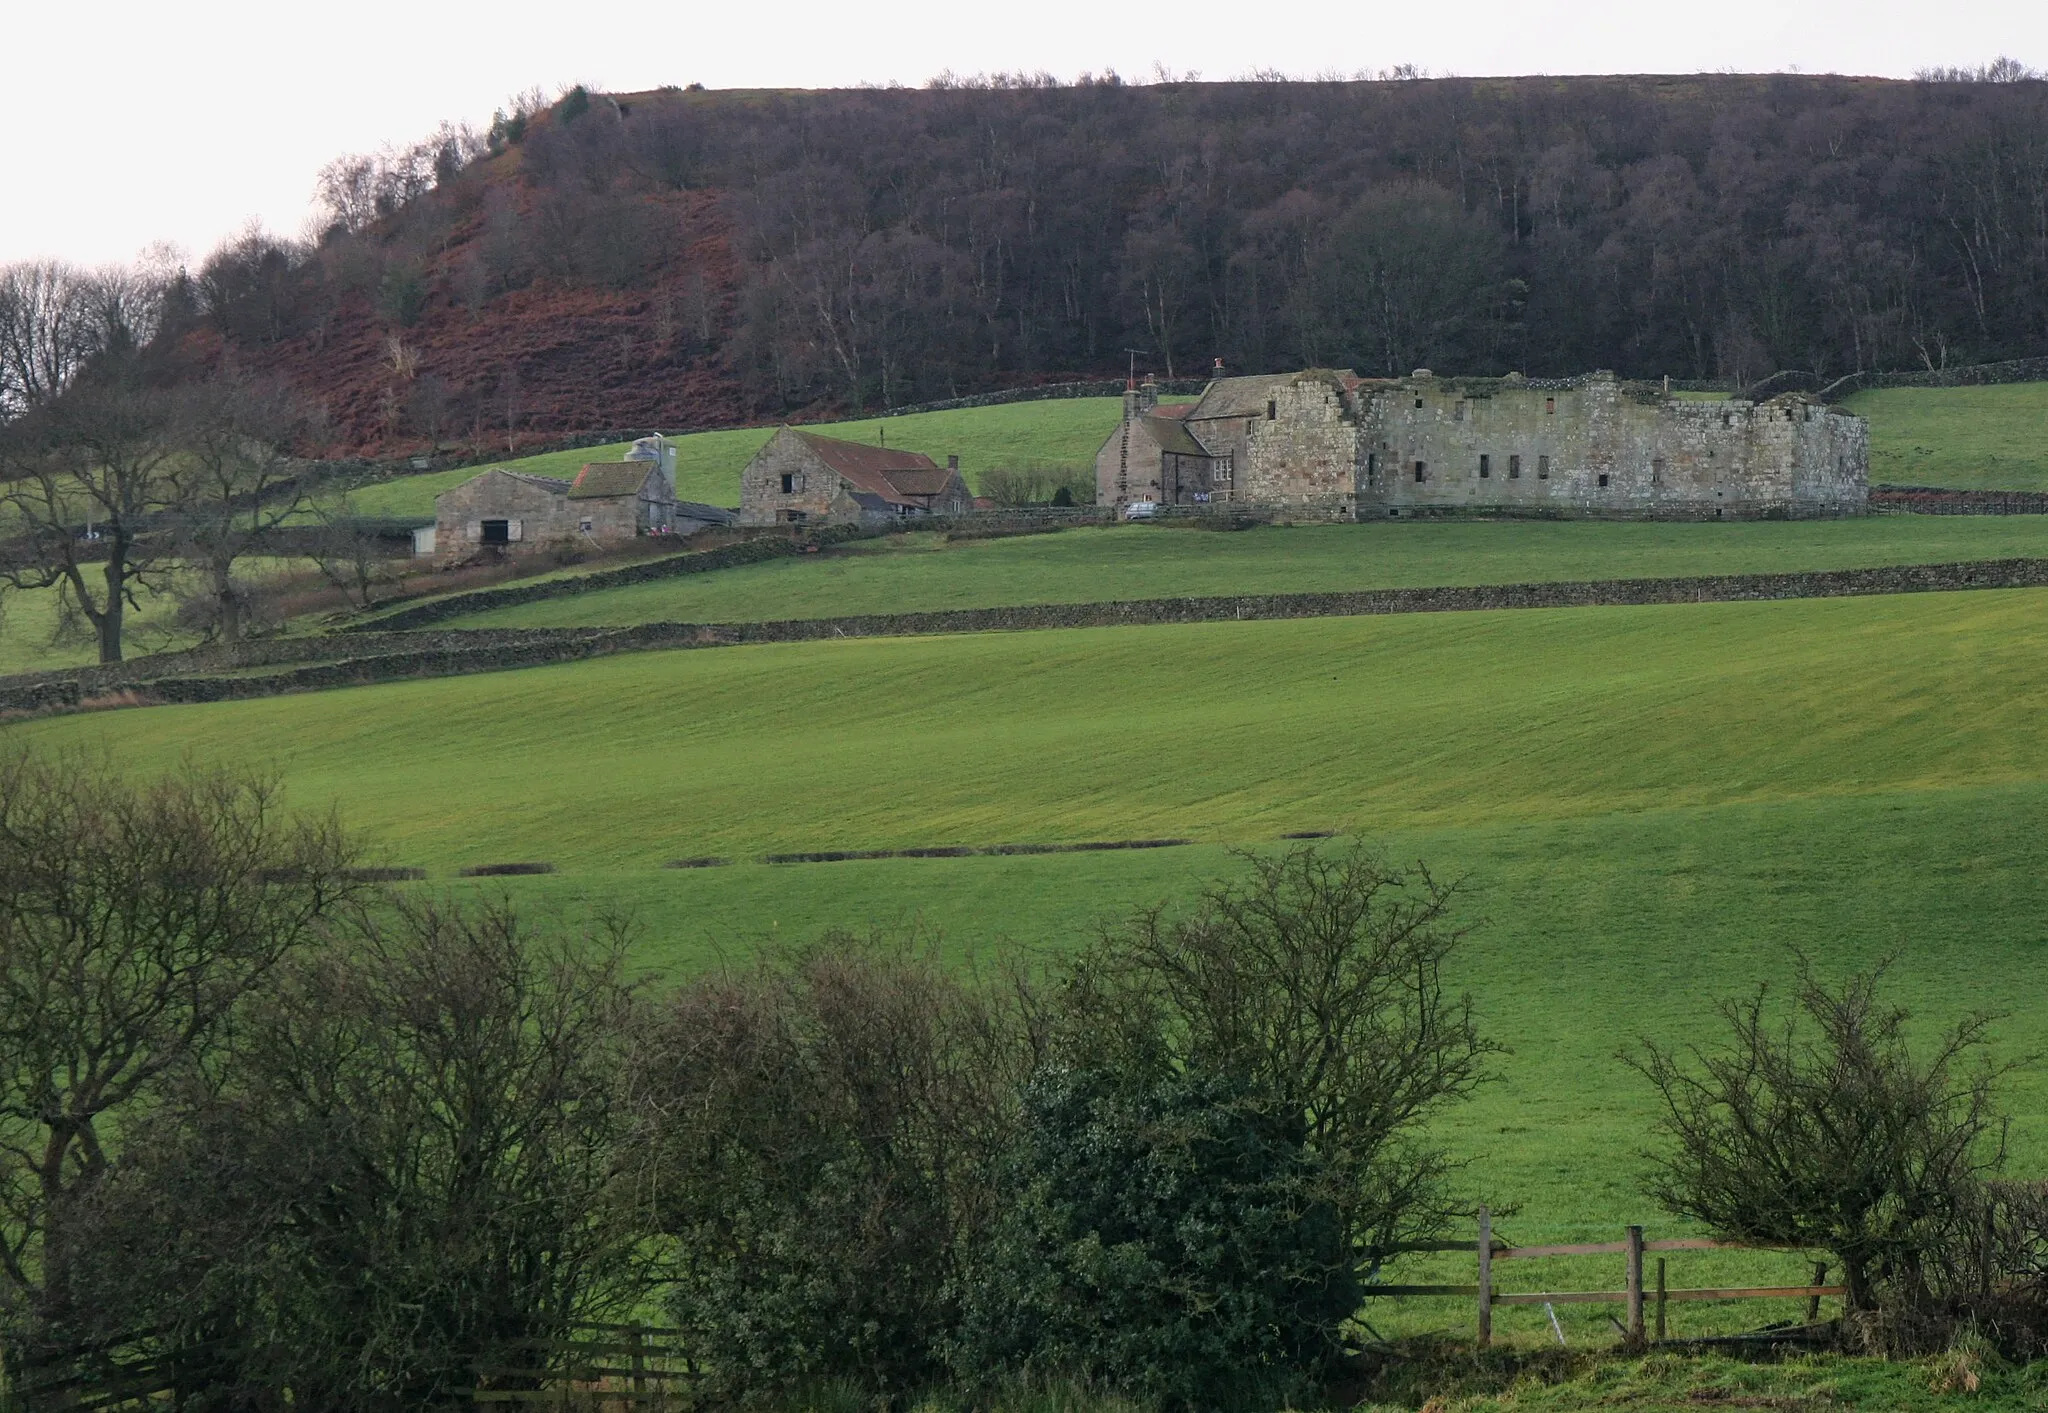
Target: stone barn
{"type": "Point", "coordinates": [1333, 444]}
{"type": "Point", "coordinates": [803, 478]}
{"type": "Point", "coordinates": [609, 502]}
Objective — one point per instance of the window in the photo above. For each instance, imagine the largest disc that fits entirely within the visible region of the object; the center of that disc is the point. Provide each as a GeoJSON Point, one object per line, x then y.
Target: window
{"type": "Point", "coordinates": [1458, 411]}
{"type": "Point", "coordinates": [1657, 471]}
{"type": "Point", "coordinates": [1603, 479]}
{"type": "Point", "coordinates": [792, 484]}
{"type": "Point", "coordinates": [1542, 468]}
{"type": "Point", "coordinates": [1422, 470]}
{"type": "Point", "coordinates": [1418, 404]}
{"type": "Point", "coordinates": [1549, 405]}
{"type": "Point", "coordinates": [497, 532]}
{"type": "Point", "coordinates": [1272, 409]}
{"type": "Point", "coordinates": [1372, 466]}
{"type": "Point", "coordinates": [586, 524]}
{"type": "Point", "coordinates": [1485, 465]}
{"type": "Point", "coordinates": [1514, 468]}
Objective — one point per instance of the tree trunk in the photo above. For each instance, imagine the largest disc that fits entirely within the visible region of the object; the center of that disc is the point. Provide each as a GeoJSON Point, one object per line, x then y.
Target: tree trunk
{"type": "Point", "coordinates": [107, 622]}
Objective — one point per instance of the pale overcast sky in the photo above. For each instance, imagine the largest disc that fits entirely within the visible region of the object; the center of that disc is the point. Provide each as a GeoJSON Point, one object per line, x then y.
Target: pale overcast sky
{"type": "Point", "coordinates": [133, 123]}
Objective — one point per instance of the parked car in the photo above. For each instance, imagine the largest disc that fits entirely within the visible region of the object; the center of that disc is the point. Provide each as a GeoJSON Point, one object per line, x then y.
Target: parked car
{"type": "Point", "coordinates": [1141, 510]}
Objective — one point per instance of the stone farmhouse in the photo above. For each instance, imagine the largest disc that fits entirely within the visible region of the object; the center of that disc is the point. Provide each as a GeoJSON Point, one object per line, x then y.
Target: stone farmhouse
{"type": "Point", "coordinates": [607, 503]}
{"type": "Point", "coordinates": [1333, 444]}
{"type": "Point", "coordinates": [803, 478]}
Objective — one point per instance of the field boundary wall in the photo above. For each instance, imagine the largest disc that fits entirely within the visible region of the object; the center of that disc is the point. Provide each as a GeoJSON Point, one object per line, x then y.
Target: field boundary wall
{"type": "Point", "coordinates": [1825, 389]}
{"type": "Point", "coordinates": [340, 660]}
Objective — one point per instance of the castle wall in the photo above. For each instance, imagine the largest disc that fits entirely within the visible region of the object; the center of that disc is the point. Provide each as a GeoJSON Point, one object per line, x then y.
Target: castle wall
{"type": "Point", "coordinates": [1601, 448]}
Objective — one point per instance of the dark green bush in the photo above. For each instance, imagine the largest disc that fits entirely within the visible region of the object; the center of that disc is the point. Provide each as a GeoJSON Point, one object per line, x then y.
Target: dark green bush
{"type": "Point", "coordinates": [402, 295]}
{"type": "Point", "coordinates": [1171, 1239]}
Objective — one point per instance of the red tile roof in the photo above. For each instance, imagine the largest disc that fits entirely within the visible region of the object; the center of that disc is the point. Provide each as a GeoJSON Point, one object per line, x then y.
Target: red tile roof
{"type": "Point", "coordinates": [904, 477]}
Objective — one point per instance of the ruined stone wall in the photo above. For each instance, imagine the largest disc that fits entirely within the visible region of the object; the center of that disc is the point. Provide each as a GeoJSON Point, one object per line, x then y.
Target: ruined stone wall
{"type": "Point", "coordinates": [1599, 446]}
{"type": "Point", "coordinates": [1306, 451]}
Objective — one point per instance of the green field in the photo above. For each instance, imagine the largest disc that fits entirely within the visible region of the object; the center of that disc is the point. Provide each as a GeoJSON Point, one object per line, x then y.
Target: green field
{"type": "Point", "coordinates": [1652, 807]}
{"type": "Point", "coordinates": [1055, 433]}
{"type": "Point", "coordinates": [919, 572]}
{"type": "Point", "coordinates": [1988, 438]}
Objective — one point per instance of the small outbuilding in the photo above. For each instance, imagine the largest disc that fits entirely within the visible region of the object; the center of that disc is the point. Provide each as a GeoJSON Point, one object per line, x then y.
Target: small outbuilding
{"type": "Point", "coordinates": [609, 502]}
{"type": "Point", "coordinates": [801, 477]}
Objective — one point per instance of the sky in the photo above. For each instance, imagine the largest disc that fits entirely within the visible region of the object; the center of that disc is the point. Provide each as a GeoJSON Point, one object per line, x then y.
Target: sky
{"type": "Point", "coordinates": [136, 125]}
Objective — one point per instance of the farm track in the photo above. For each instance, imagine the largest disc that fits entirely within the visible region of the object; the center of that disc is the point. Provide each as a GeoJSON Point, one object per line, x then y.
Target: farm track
{"type": "Point", "coordinates": [273, 666]}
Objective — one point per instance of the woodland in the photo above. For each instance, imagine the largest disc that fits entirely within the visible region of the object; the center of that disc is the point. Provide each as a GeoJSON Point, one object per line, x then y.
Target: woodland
{"type": "Point", "coordinates": [686, 258]}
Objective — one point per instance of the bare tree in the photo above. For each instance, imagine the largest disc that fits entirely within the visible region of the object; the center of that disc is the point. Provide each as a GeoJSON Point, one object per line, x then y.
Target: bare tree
{"type": "Point", "coordinates": [347, 553]}
{"type": "Point", "coordinates": [135, 920]}
{"type": "Point", "coordinates": [238, 484]}
{"type": "Point", "coordinates": [1824, 1129]}
{"type": "Point", "coordinates": [85, 482]}
{"type": "Point", "coordinates": [55, 319]}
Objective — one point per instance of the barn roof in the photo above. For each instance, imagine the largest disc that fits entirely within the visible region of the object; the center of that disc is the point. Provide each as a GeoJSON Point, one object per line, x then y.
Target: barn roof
{"type": "Point", "coordinates": [897, 476]}
{"type": "Point", "coordinates": [600, 480]}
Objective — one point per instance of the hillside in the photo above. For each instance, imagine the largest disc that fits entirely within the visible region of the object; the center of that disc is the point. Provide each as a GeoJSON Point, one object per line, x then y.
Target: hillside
{"type": "Point", "coordinates": [692, 259]}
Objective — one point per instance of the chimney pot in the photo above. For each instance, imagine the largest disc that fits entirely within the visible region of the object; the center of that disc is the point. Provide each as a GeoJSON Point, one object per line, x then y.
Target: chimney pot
{"type": "Point", "coordinates": [952, 463]}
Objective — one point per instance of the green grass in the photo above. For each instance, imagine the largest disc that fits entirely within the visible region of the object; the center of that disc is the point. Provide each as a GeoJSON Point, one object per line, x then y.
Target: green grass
{"type": "Point", "coordinates": [30, 640]}
{"type": "Point", "coordinates": [920, 572]}
{"type": "Point", "coordinates": [1652, 807]}
{"type": "Point", "coordinates": [1058, 432]}
{"type": "Point", "coordinates": [1988, 438]}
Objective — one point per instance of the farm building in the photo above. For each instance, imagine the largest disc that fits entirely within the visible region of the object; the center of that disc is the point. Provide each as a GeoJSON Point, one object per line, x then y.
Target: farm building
{"type": "Point", "coordinates": [608, 502]}
{"type": "Point", "coordinates": [802, 477]}
{"type": "Point", "coordinates": [1333, 443]}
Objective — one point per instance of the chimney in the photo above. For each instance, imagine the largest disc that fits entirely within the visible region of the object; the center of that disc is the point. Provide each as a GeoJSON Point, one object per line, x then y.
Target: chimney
{"type": "Point", "coordinates": [1148, 394]}
{"type": "Point", "coordinates": [1217, 371]}
{"type": "Point", "coordinates": [952, 463]}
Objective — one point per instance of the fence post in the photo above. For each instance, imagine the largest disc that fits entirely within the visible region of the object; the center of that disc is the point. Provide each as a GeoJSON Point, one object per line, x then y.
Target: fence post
{"type": "Point", "coordinates": [1485, 1278]}
{"type": "Point", "coordinates": [1660, 1299]}
{"type": "Point", "coordinates": [639, 1364]}
{"type": "Point", "coordinates": [1635, 1286]}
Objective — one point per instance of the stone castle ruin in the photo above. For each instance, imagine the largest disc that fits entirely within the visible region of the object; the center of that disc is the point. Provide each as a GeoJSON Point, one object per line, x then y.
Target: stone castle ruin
{"type": "Point", "coordinates": [1331, 443]}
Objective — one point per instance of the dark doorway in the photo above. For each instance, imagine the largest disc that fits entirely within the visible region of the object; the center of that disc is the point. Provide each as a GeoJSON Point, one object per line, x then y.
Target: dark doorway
{"type": "Point", "coordinates": [497, 532]}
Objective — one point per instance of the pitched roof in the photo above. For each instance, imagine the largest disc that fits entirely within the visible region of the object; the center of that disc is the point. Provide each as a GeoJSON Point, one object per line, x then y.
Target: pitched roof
{"type": "Point", "coordinates": [1247, 397]}
{"type": "Point", "coordinates": [1173, 435]}
{"type": "Point", "coordinates": [600, 480]}
{"type": "Point", "coordinates": [901, 477]}
{"type": "Point", "coordinates": [1176, 410]}
{"type": "Point", "coordinates": [547, 483]}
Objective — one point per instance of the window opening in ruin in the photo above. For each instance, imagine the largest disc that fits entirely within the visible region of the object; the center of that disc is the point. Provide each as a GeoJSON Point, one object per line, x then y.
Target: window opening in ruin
{"type": "Point", "coordinates": [1727, 419]}
{"type": "Point", "coordinates": [1485, 465]}
{"type": "Point", "coordinates": [1542, 468]}
{"type": "Point", "coordinates": [1272, 409]}
{"type": "Point", "coordinates": [1603, 478]}
{"type": "Point", "coordinates": [1657, 471]}
{"type": "Point", "coordinates": [1418, 404]}
{"type": "Point", "coordinates": [497, 532]}
{"type": "Point", "coordinates": [1549, 404]}
{"type": "Point", "coordinates": [1393, 511]}
{"type": "Point", "coordinates": [1422, 470]}
{"type": "Point", "coordinates": [1515, 468]}
{"type": "Point", "coordinates": [1457, 412]}
{"type": "Point", "coordinates": [1372, 466]}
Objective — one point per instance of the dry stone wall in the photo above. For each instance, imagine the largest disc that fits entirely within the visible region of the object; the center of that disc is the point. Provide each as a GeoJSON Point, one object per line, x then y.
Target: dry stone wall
{"type": "Point", "coordinates": [365, 658]}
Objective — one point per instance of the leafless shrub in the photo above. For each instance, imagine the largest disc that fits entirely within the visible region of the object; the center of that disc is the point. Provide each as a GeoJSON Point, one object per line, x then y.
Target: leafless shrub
{"type": "Point", "coordinates": [1824, 1129]}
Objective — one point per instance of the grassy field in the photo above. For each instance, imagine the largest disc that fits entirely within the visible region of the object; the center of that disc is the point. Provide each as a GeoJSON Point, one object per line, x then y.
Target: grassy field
{"type": "Point", "coordinates": [1993, 438]}
{"type": "Point", "coordinates": [917, 572]}
{"type": "Point", "coordinates": [1057, 432]}
{"type": "Point", "coordinates": [1652, 807]}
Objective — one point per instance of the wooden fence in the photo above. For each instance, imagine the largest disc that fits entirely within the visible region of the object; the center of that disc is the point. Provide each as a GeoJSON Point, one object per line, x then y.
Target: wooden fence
{"type": "Point", "coordinates": [1632, 1294]}
{"type": "Point", "coordinates": [593, 1366]}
